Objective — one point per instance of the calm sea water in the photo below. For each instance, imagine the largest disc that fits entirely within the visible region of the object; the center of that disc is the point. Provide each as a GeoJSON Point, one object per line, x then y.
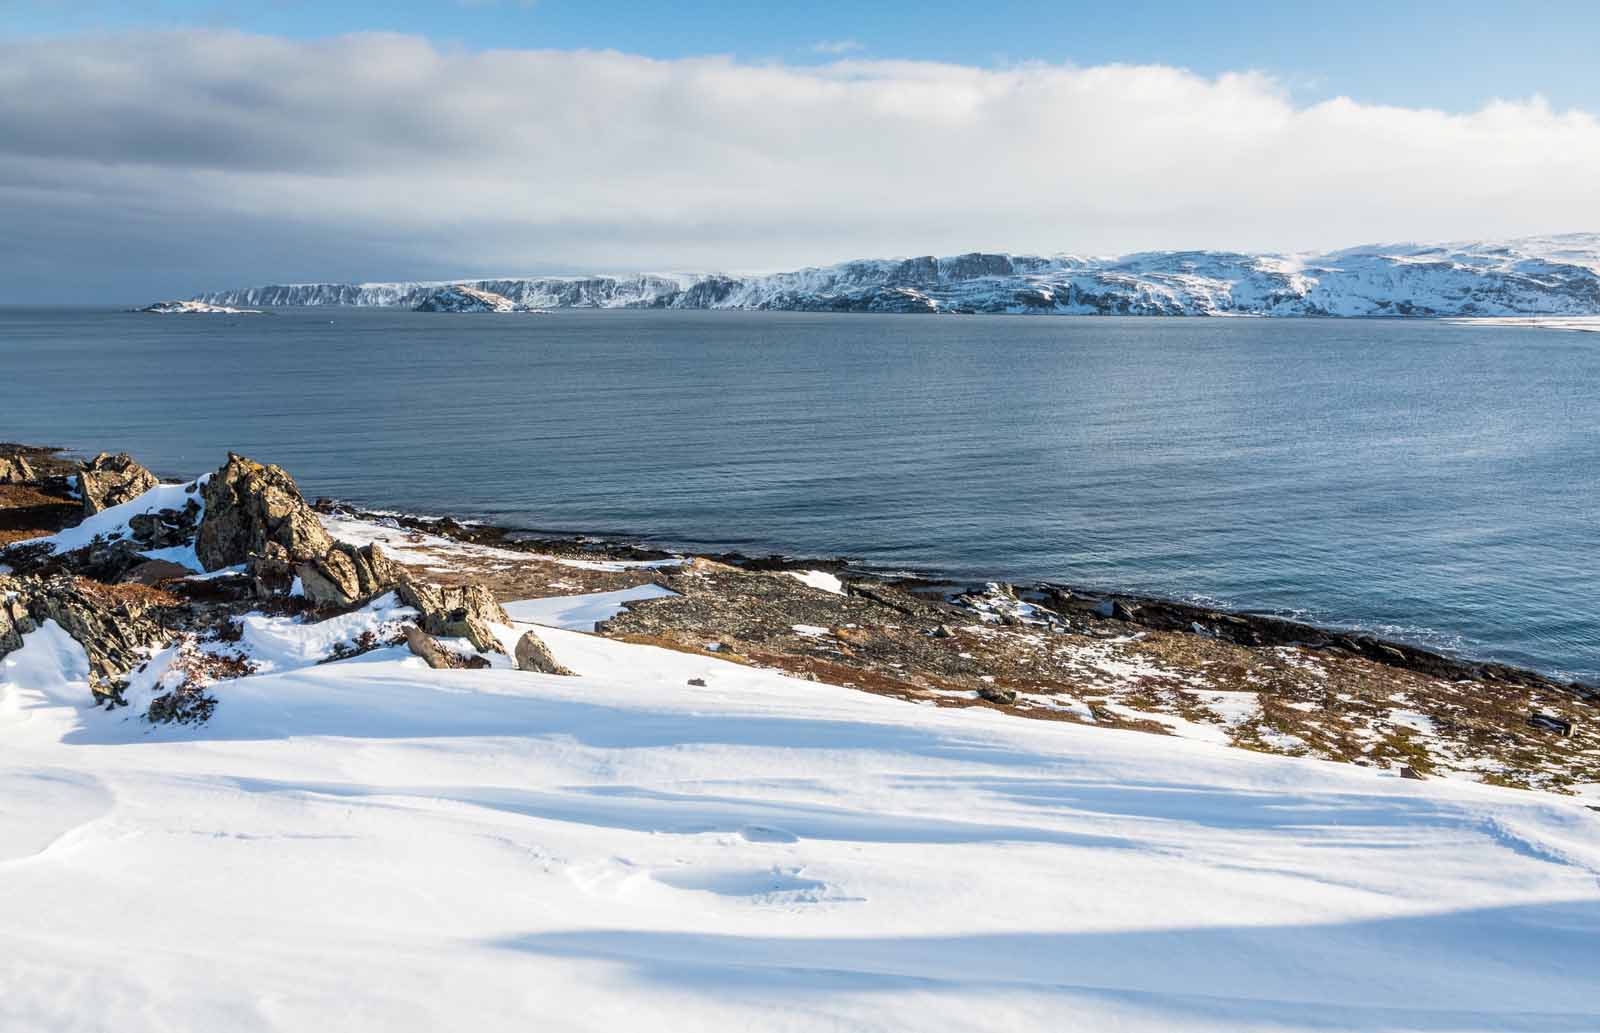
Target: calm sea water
{"type": "Point", "coordinates": [1429, 481]}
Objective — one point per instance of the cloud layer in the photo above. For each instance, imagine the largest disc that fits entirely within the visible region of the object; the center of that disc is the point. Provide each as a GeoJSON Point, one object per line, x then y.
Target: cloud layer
{"type": "Point", "coordinates": [173, 162]}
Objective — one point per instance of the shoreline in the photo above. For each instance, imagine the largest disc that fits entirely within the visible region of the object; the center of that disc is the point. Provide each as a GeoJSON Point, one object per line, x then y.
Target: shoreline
{"type": "Point", "coordinates": [1241, 625]}
{"type": "Point", "coordinates": [1037, 651]}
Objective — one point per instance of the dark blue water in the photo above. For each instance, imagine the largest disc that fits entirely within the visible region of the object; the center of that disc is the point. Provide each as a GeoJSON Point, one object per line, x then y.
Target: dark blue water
{"type": "Point", "coordinates": [1426, 480]}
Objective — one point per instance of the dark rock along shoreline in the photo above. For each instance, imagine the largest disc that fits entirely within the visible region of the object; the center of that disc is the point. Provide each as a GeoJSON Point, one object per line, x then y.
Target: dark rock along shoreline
{"type": "Point", "coordinates": [1043, 651]}
{"type": "Point", "coordinates": [1239, 626]}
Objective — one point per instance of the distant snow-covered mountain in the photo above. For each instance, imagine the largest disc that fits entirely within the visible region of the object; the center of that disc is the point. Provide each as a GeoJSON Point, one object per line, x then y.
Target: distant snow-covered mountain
{"type": "Point", "coordinates": [1556, 275]}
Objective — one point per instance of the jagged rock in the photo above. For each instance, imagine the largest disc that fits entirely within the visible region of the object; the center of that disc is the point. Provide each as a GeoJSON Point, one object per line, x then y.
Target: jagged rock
{"type": "Point", "coordinates": [248, 505]}
{"type": "Point", "coordinates": [436, 656]}
{"type": "Point", "coordinates": [456, 611]}
{"type": "Point", "coordinates": [533, 655]}
{"type": "Point", "coordinates": [110, 479]}
{"type": "Point", "coordinates": [376, 573]}
{"type": "Point", "coordinates": [16, 470]}
{"type": "Point", "coordinates": [346, 575]}
{"type": "Point", "coordinates": [330, 579]}
{"type": "Point", "coordinates": [115, 625]}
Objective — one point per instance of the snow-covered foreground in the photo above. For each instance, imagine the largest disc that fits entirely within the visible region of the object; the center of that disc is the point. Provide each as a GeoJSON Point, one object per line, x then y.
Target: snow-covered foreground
{"type": "Point", "coordinates": [375, 845]}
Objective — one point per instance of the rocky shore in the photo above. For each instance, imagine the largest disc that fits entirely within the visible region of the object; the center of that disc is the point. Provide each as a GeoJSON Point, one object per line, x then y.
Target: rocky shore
{"type": "Point", "coordinates": [158, 583]}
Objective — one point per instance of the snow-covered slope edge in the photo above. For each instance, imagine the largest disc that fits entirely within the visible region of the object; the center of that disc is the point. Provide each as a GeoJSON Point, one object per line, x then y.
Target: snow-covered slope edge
{"type": "Point", "coordinates": [1558, 275]}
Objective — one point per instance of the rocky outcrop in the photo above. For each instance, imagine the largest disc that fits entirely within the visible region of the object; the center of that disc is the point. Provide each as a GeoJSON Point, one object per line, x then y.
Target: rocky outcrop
{"type": "Point", "coordinates": [16, 470]}
{"type": "Point", "coordinates": [110, 479]}
{"type": "Point", "coordinates": [456, 611]}
{"type": "Point", "coordinates": [248, 506]}
{"type": "Point", "coordinates": [532, 654]}
{"type": "Point", "coordinates": [347, 575]}
{"type": "Point", "coordinates": [116, 625]}
{"type": "Point", "coordinates": [436, 656]}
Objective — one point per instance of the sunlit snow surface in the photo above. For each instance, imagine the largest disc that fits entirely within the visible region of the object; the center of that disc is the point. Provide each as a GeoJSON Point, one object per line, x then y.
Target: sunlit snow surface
{"type": "Point", "coordinates": [374, 845]}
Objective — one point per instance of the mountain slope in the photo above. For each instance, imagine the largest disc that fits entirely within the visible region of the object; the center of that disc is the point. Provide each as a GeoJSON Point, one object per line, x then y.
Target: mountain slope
{"type": "Point", "coordinates": [1557, 275]}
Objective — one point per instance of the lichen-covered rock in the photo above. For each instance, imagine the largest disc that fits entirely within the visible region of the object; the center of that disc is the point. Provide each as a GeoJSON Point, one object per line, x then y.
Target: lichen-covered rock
{"type": "Point", "coordinates": [16, 470]}
{"type": "Point", "coordinates": [110, 479]}
{"type": "Point", "coordinates": [247, 506]}
{"type": "Point", "coordinates": [346, 575]}
{"type": "Point", "coordinates": [456, 611]}
{"type": "Point", "coordinates": [532, 654]}
{"type": "Point", "coordinates": [116, 625]}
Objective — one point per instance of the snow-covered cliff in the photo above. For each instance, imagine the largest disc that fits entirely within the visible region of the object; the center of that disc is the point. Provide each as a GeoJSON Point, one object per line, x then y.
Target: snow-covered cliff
{"type": "Point", "coordinates": [1558, 275]}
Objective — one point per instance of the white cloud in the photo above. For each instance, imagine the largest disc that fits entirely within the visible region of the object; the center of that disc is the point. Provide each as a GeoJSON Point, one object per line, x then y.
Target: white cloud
{"type": "Point", "coordinates": [383, 155]}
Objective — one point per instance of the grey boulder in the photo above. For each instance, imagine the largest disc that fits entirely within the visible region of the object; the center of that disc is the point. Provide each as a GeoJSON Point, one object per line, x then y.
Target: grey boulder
{"type": "Point", "coordinates": [532, 654]}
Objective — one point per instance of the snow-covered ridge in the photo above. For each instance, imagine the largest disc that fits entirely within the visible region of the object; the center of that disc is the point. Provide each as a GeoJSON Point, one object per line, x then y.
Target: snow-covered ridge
{"type": "Point", "coordinates": [1556, 275]}
{"type": "Point", "coordinates": [195, 308]}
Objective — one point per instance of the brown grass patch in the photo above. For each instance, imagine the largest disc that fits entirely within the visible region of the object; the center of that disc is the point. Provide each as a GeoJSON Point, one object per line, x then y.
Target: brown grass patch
{"type": "Point", "coordinates": [133, 595]}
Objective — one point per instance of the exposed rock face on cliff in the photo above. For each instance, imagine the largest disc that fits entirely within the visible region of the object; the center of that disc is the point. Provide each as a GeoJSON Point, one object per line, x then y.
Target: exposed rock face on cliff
{"type": "Point", "coordinates": [461, 298]}
{"type": "Point", "coordinates": [249, 505]}
{"type": "Point", "coordinates": [110, 479]}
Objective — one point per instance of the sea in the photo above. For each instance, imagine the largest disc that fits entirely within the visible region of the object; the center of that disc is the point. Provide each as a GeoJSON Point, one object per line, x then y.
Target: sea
{"type": "Point", "coordinates": [1429, 481]}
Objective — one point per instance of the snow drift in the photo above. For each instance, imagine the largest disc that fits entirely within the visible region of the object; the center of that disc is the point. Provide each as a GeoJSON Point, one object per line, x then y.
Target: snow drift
{"type": "Point", "coordinates": [374, 844]}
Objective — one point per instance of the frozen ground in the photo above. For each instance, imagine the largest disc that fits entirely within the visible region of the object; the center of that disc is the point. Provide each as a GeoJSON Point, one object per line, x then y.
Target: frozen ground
{"type": "Point", "coordinates": [374, 845]}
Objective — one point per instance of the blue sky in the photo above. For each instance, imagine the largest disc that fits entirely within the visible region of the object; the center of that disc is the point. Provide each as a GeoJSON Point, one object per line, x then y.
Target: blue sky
{"type": "Point", "coordinates": [1454, 56]}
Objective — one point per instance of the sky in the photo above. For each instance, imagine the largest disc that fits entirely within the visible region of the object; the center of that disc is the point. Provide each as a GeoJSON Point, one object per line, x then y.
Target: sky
{"type": "Point", "coordinates": [153, 148]}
